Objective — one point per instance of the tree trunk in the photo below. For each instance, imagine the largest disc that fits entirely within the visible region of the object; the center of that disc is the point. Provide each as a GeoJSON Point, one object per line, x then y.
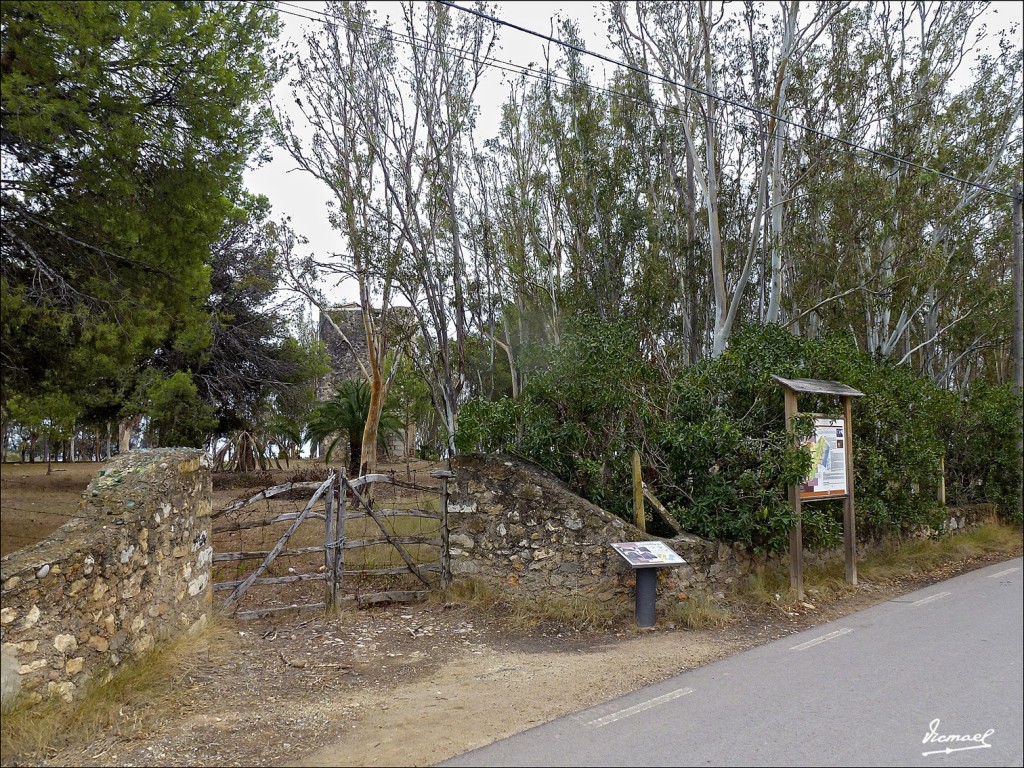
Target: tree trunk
{"type": "Point", "coordinates": [124, 434]}
{"type": "Point", "coordinates": [1018, 293]}
{"type": "Point", "coordinates": [355, 451]}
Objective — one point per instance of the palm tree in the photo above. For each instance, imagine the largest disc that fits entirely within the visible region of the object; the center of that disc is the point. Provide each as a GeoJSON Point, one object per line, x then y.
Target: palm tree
{"type": "Point", "coordinates": [344, 415]}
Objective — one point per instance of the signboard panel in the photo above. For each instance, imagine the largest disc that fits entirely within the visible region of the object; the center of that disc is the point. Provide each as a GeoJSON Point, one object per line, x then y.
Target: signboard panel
{"type": "Point", "coordinates": [827, 478]}
{"type": "Point", "coordinates": [647, 554]}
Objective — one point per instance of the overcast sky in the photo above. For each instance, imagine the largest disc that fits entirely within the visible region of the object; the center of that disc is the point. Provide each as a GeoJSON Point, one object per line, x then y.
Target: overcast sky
{"type": "Point", "coordinates": [297, 195]}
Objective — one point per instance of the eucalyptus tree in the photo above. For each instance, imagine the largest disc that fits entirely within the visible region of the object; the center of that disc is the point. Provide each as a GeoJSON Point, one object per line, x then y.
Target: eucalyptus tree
{"type": "Point", "coordinates": [516, 274]}
{"type": "Point", "coordinates": [427, 127]}
{"type": "Point", "coordinates": [339, 87]}
{"type": "Point", "coordinates": [706, 64]}
{"type": "Point", "coordinates": [904, 258]}
{"type": "Point", "coordinates": [389, 125]}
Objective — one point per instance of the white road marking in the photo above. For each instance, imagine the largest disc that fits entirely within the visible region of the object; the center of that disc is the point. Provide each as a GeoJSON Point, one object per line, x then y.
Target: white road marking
{"type": "Point", "coordinates": [1002, 573]}
{"type": "Point", "coordinates": [629, 711]}
{"type": "Point", "coordinates": [930, 598]}
{"type": "Point", "coordinates": [822, 639]}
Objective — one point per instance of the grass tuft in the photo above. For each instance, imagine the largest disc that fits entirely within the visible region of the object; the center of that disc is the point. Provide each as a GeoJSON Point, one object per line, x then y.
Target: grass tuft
{"type": "Point", "coordinates": [574, 612]}
{"type": "Point", "coordinates": [137, 691]}
{"type": "Point", "coordinates": [903, 559]}
{"type": "Point", "coordinates": [699, 611]}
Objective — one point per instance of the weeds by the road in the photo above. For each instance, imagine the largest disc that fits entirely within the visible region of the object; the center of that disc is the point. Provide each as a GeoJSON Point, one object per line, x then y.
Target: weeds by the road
{"type": "Point", "coordinates": [576, 612]}
{"type": "Point", "coordinates": [698, 611]}
{"type": "Point", "coordinates": [893, 561]}
{"type": "Point", "coordinates": [914, 558]}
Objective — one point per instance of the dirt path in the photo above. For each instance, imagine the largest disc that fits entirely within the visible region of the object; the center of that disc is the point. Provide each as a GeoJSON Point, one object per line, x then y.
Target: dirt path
{"type": "Point", "coordinates": [401, 685]}
{"type": "Point", "coordinates": [413, 685]}
{"type": "Point", "coordinates": [489, 694]}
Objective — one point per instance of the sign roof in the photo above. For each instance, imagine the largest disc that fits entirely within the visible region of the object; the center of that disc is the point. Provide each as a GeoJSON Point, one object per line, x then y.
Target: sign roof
{"type": "Point", "coordinates": [818, 387]}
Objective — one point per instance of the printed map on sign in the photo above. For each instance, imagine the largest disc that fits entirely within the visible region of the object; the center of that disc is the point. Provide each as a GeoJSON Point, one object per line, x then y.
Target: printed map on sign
{"type": "Point", "coordinates": [828, 452]}
{"type": "Point", "coordinates": [647, 554]}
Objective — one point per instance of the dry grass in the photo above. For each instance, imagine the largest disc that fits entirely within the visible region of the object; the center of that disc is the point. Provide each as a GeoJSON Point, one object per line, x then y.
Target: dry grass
{"type": "Point", "coordinates": [913, 558]}
{"type": "Point", "coordinates": [699, 612]}
{"type": "Point", "coordinates": [139, 690]}
{"type": "Point", "coordinates": [575, 612]}
{"type": "Point", "coordinates": [897, 560]}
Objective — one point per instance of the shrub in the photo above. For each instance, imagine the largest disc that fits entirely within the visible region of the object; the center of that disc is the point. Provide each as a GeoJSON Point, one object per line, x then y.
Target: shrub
{"type": "Point", "coordinates": [982, 434]}
{"type": "Point", "coordinates": [716, 447]}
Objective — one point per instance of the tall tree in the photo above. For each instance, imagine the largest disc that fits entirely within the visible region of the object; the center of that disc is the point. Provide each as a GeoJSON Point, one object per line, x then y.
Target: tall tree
{"type": "Point", "coordinates": [125, 130]}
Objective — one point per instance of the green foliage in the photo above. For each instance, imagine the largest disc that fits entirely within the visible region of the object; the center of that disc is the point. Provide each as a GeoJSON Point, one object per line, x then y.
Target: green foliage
{"type": "Point", "coordinates": [897, 445]}
{"type": "Point", "coordinates": [126, 128]}
{"type": "Point", "coordinates": [581, 416]}
{"type": "Point", "coordinates": [52, 416]}
{"type": "Point", "coordinates": [718, 453]}
{"type": "Point", "coordinates": [982, 433]}
{"type": "Point", "coordinates": [177, 415]}
{"type": "Point", "coordinates": [727, 452]}
{"type": "Point", "coordinates": [344, 417]}
{"type": "Point", "coordinates": [409, 395]}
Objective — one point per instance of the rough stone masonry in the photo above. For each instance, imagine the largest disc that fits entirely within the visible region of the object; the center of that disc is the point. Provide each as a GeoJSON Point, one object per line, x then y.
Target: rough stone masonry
{"type": "Point", "coordinates": [131, 568]}
{"type": "Point", "coordinates": [519, 526]}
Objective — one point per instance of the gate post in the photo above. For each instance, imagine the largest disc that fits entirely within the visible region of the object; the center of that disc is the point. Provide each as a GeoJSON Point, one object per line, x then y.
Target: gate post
{"type": "Point", "coordinates": [341, 510]}
{"type": "Point", "coordinates": [330, 546]}
{"type": "Point", "coordinates": [446, 559]}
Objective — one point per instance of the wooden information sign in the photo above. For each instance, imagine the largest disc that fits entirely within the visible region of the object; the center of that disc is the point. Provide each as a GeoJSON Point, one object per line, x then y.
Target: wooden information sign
{"type": "Point", "coordinates": [832, 473]}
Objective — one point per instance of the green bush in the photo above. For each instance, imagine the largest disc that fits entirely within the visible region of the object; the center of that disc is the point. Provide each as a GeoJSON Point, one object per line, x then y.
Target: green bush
{"type": "Point", "coordinates": [715, 446]}
{"type": "Point", "coordinates": [178, 416]}
{"type": "Point", "coordinates": [896, 442]}
{"type": "Point", "coordinates": [581, 416]}
{"type": "Point", "coordinates": [728, 456]}
{"type": "Point", "coordinates": [982, 433]}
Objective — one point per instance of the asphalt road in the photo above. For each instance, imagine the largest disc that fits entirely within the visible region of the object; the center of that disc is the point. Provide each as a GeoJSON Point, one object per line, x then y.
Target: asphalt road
{"type": "Point", "coordinates": [933, 678]}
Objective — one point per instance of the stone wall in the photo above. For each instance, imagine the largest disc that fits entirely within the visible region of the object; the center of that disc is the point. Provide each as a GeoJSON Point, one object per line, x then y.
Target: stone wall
{"type": "Point", "coordinates": [962, 518]}
{"type": "Point", "coordinates": [349, 318]}
{"type": "Point", "coordinates": [515, 524]}
{"type": "Point", "coordinates": [132, 567]}
{"type": "Point", "coordinates": [519, 526]}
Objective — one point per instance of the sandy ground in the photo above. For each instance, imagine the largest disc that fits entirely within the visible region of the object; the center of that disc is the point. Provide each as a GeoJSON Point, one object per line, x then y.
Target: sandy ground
{"type": "Point", "coordinates": [413, 685]}
{"type": "Point", "coordinates": [403, 684]}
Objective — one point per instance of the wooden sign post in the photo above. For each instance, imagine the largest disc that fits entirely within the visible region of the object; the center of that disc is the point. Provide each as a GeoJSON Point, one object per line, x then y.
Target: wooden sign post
{"type": "Point", "coordinates": [832, 447]}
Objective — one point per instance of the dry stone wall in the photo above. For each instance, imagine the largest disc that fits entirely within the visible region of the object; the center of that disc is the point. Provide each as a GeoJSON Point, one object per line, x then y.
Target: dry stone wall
{"type": "Point", "coordinates": [131, 568]}
{"type": "Point", "coordinates": [519, 526]}
{"type": "Point", "coordinates": [516, 524]}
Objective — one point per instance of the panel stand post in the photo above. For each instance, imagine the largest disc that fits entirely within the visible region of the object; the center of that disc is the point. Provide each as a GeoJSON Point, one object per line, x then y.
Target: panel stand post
{"type": "Point", "coordinates": [796, 539]}
{"type": "Point", "coordinates": [646, 589]}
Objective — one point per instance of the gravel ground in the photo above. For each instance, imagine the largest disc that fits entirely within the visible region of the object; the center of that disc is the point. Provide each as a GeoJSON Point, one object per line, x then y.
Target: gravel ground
{"type": "Point", "coordinates": [413, 685]}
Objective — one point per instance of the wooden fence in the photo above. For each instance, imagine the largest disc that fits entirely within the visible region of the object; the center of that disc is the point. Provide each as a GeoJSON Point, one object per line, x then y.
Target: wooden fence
{"type": "Point", "coordinates": [336, 503]}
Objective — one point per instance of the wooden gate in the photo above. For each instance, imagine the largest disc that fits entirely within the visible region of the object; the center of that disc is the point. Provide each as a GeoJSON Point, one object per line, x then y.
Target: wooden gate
{"type": "Point", "coordinates": [339, 508]}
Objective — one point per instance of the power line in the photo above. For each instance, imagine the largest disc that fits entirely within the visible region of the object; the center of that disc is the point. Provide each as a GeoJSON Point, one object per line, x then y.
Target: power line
{"type": "Point", "coordinates": [541, 75]}
{"type": "Point", "coordinates": [667, 109]}
{"type": "Point", "coordinates": [726, 100]}
{"type": "Point", "coordinates": [503, 65]}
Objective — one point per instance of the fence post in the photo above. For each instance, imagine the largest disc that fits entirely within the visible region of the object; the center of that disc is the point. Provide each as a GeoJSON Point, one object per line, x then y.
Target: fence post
{"type": "Point", "coordinates": [330, 544]}
{"type": "Point", "coordinates": [339, 552]}
{"type": "Point", "coordinates": [638, 494]}
{"type": "Point", "coordinates": [446, 558]}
